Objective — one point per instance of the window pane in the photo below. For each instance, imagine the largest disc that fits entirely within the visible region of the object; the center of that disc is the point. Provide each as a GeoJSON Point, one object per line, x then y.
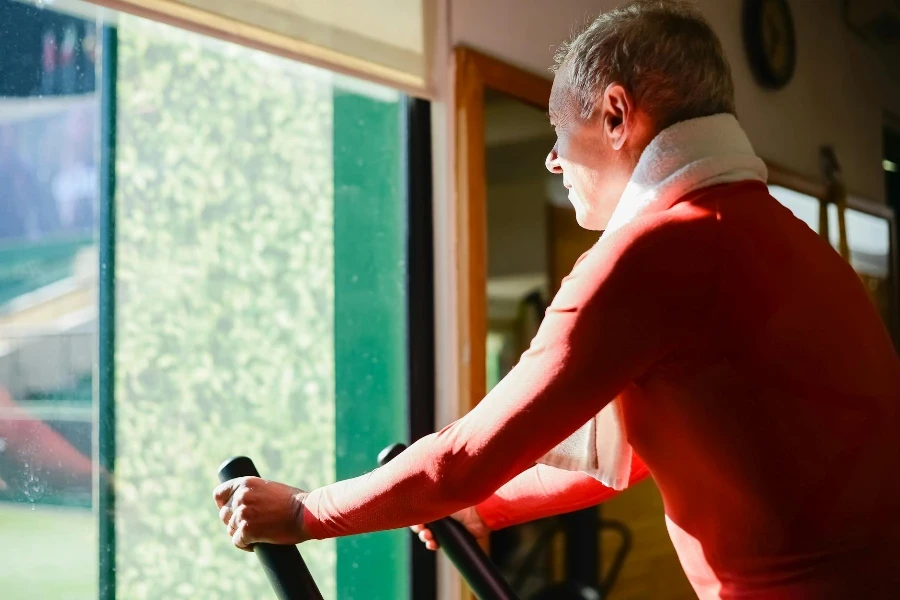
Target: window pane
{"type": "Point", "coordinates": [869, 238]}
{"type": "Point", "coordinates": [49, 111]}
{"type": "Point", "coordinates": [224, 337]}
{"type": "Point", "coordinates": [259, 309]}
{"type": "Point", "coordinates": [259, 304]}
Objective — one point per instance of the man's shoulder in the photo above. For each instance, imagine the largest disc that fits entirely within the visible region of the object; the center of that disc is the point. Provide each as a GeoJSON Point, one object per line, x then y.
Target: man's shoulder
{"type": "Point", "coordinates": [674, 253]}
{"type": "Point", "coordinates": [691, 222]}
{"type": "Point", "coordinates": [662, 262]}
{"type": "Point", "coordinates": [668, 236]}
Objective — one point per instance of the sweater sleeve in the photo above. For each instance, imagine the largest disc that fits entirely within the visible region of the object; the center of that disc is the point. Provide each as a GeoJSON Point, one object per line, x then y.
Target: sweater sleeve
{"type": "Point", "coordinates": [544, 491]}
{"type": "Point", "coordinates": [623, 307]}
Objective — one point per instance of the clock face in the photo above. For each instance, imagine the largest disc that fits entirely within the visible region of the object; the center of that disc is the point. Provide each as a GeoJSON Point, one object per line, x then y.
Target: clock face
{"type": "Point", "coordinates": [776, 35]}
{"type": "Point", "coordinates": [769, 37]}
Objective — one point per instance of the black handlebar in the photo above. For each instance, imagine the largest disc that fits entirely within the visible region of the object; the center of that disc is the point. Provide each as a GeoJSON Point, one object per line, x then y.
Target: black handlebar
{"type": "Point", "coordinates": [463, 550]}
{"type": "Point", "coordinates": [283, 565]}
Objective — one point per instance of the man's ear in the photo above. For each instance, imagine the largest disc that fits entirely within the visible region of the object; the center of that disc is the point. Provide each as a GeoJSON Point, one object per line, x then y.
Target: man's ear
{"type": "Point", "coordinates": [616, 113]}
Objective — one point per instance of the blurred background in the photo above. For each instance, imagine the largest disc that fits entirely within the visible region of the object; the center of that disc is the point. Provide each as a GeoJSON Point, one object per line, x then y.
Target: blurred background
{"type": "Point", "coordinates": [304, 231]}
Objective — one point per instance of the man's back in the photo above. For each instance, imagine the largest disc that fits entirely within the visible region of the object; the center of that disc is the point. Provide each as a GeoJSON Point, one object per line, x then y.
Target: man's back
{"type": "Point", "coordinates": [774, 434]}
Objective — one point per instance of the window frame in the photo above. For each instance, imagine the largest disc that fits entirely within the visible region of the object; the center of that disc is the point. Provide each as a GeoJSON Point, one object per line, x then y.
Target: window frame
{"type": "Point", "coordinates": [420, 312]}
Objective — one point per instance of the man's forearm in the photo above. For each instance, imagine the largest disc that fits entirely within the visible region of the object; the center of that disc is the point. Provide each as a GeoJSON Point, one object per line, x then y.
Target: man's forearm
{"type": "Point", "coordinates": [544, 491]}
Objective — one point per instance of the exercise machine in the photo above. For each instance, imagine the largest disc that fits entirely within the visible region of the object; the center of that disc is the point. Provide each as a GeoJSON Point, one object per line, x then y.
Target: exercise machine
{"type": "Point", "coordinates": [283, 565]}
{"type": "Point", "coordinates": [291, 580]}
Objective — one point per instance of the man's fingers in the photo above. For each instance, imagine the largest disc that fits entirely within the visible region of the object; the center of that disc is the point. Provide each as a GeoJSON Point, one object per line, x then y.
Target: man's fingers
{"type": "Point", "coordinates": [225, 513]}
{"type": "Point", "coordinates": [236, 520]}
{"type": "Point", "coordinates": [241, 538]}
{"type": "Point", "coordinates": [224, 491]}
{"type": "Point", "coordinates": [426, 536]}
{"type": "Point", "coordinates": [254, 510]}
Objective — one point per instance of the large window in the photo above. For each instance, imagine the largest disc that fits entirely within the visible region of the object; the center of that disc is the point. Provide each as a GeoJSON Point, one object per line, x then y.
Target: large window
{"type": "Point", "coordinates": [248, 214]}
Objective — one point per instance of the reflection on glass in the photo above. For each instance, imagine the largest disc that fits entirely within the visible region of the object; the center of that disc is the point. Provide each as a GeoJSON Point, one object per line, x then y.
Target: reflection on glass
{"type": "Point", "coordinates": [260, 303]}
{"type": "Point", "coordinates": [48, 306]}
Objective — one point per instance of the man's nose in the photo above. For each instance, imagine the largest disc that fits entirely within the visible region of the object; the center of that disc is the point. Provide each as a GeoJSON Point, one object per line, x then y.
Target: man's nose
{"type": "Point", "coordinates": [552, 162]}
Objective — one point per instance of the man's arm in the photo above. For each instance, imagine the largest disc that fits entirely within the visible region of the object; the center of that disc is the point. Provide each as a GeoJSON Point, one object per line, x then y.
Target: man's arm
{"type": "Point", "coordinates": [624, 308]}
{"type": "Point", "coordinates": [541, 491]}
{"type": "Point", "coordinates": [544, 491]}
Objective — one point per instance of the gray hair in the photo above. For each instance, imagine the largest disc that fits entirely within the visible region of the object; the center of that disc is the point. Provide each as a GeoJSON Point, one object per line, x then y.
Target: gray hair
{"type": "Point", "coordinates": [663, 52]}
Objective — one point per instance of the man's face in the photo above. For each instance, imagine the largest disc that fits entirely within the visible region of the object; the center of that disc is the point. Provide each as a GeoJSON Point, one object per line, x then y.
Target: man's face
{"type": "Point", "coordinates": [592, 163]}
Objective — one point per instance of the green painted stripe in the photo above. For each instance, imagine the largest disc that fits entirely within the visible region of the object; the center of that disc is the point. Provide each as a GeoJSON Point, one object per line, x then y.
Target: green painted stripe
{"type": "Point", "coordinates": [370, 325]}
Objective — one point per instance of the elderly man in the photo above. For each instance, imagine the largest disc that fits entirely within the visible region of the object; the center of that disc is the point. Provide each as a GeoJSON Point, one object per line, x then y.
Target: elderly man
{"type": "Point", "coordinates": [708, 332]}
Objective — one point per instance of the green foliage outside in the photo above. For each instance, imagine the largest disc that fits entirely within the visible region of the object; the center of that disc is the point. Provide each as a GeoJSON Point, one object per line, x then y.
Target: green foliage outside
{"type": "Point", "coordinates": [224, 339]}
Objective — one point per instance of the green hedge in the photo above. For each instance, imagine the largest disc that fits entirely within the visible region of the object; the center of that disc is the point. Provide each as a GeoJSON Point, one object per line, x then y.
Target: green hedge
{"type": "Point", "coordinates": [224, 334]}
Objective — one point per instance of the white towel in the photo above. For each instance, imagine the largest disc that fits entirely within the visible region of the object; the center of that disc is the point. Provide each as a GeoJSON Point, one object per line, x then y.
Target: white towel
{"type": "Point", "coordinates": [685, 157]}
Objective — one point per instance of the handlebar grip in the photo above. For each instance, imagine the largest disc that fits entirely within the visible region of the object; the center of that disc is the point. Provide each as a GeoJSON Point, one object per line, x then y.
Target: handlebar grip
{"type": "Point", "coordinates": [283, 565]}
{"type": "Point", "coordinates": [463, 550]}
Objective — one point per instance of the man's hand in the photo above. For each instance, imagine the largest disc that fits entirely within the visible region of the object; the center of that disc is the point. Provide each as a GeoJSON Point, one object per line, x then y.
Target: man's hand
{"type": "Point", "coordinates": [470, 519]}
{"type": "Point", "coordinates": [256, 510]}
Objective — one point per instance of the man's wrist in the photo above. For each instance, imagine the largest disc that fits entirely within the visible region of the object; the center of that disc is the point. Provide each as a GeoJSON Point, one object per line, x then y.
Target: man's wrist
{"type": "Point", "coordinates": [474, 522]}
{"type": "Point", "coordinates": [299, 500]}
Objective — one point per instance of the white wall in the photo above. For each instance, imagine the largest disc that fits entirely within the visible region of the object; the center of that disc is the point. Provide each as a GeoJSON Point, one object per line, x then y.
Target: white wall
{"type": "Point", "coordinates": [838, 95]}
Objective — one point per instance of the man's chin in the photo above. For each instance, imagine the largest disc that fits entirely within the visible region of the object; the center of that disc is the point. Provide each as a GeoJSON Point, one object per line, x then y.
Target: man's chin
{"type": "Point", "coordinates": [590, 221]}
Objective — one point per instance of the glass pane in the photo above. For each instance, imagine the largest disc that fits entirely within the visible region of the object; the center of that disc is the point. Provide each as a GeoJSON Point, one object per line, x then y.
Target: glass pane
{"type": "Point", "coordinates": [224, 333]}
{"type": "Point", "coordinates": [259, 309]}
{"type": "Point", "coordinates": [49, 109]}
{"type": "Point", "coordinates": [869, 238]}
{"type": "Point", "coordinates": [259, 304]}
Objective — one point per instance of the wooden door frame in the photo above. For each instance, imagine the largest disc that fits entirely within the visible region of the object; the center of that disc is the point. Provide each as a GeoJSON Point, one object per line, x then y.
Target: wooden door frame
{"type": "Point", "coordinates": [474, 74]}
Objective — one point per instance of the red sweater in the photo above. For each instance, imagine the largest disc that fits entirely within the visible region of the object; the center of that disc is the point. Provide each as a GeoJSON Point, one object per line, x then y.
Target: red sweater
{"type": "Point", "coordinates": [758, 385]}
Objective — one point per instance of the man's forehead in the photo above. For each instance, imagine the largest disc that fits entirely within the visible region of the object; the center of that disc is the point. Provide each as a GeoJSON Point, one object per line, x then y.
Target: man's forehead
{"type": "Point", "coordinates": [560, 94]}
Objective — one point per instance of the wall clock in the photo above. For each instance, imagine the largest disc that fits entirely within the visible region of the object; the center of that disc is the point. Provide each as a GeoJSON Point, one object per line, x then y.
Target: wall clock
{"type": "Point", "coordinates": [770, 41]}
